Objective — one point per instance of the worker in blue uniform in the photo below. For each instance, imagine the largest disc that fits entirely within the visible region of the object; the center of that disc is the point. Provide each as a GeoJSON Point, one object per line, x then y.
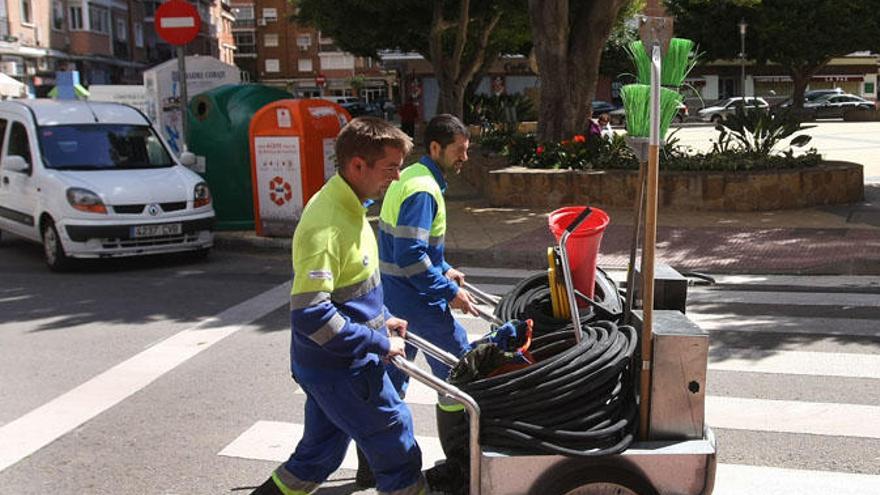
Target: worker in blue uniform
{"type": "Point", "coordinates": [420, 285]}
{"type": "Point", "coordinates": [341, 330]}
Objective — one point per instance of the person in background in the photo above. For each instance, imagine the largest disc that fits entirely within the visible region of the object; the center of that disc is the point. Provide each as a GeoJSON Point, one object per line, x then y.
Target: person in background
{"type": "Point", "coordinates": [408, 115]}
{"type": "Point", "coordinates": [342, 331]}
{"type": "Point", "coordinates": [604, 122]}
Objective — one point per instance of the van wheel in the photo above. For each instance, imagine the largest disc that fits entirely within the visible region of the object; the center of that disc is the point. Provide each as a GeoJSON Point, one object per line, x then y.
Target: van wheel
{"type": "Point", "coordinates": [53, 249]}
{"type": "Point", "coordinates": [199, 254]}
{"type": "Point", "coordinates": [717, 119]}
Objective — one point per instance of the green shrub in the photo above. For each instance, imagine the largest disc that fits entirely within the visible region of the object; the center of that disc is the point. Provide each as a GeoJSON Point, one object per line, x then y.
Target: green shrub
{"type": "Point", "coordinates": [492, 108]}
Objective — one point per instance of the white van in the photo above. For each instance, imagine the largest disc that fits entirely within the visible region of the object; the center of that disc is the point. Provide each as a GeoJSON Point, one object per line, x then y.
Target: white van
{"type": "Point", "coordinates": [92, 180]}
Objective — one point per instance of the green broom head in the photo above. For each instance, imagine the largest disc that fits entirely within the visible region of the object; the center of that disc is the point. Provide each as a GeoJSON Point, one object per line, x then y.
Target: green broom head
{"type": "Point", "coordinates": [641, 61]}
{"type": "Point", "coordinates": [677, 63]}
{"type": "Point", "coordinates": [637, 104]}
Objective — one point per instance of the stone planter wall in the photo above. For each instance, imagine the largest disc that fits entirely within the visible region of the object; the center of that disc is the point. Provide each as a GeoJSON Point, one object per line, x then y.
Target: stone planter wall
{"type": "Point", "coordinates": [830, 183]}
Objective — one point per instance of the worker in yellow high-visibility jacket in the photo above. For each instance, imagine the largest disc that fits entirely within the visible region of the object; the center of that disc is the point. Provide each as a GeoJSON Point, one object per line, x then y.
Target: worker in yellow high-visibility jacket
{"type": "Point", "coordinates": [341, 329]}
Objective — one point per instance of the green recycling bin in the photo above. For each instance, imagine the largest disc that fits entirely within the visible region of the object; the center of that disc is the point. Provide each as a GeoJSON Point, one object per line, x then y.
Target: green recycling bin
{"type": "Point", "coordinates": [219, 120]}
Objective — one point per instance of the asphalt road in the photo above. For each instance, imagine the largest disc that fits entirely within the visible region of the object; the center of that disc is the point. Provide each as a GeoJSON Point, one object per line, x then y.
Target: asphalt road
{"type": "Point", "coordinates": [164, 376]}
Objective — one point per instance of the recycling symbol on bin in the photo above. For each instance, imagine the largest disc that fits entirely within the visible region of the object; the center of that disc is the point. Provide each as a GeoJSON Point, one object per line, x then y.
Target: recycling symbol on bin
{"type": "Point", "coordinates": [280, 191]}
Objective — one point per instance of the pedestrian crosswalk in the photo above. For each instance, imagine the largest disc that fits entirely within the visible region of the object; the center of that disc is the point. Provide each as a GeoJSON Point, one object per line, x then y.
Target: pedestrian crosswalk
{"type": "Point", "coordinates": [825, 331]}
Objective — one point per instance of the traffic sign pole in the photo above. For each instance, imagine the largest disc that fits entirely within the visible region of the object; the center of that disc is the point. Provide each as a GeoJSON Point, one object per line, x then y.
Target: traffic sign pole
{"type": "Point", "coordinates": [181, 80]}
{"type": "Point", "coordinates": [178, 23]}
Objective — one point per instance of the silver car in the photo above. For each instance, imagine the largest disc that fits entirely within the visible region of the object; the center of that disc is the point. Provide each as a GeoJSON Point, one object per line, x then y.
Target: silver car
{"type": "Point", "coordinates": [725, 108]}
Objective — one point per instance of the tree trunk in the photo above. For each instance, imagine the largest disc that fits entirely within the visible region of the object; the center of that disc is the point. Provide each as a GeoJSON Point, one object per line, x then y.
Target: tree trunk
{"type": "Point", "coordinates": [568, 42]}
{"type": "Point", "coordinates": [800, 78]}
{"type": "Point", "coordinates": [454, 70]}
{"type": "Point", "coordinates": [451, 99]}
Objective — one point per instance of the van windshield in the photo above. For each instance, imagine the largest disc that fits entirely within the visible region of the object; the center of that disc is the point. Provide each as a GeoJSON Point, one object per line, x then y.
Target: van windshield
{"type": "Point", "coordinates": [102, 147]}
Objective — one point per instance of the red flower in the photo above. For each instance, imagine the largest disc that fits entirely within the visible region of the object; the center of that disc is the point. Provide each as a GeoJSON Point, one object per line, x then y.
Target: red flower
{"type": "Point", "coordinates": [579, 138]}
{"type": "Point", "coordinates": [539, 150]}
{"type": "Point", "coordinates": [565, 142]}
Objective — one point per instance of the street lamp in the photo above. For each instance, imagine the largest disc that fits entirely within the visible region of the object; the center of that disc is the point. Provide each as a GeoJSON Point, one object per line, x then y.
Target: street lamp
{"type": "Point", "coordinates": [742, 55]}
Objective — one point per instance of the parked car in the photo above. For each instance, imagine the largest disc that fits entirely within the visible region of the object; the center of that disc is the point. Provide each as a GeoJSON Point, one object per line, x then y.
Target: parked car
{"type": "Point", "coordinates": [618, 117]}
{"type": "Point", "coordinates": [600, 107]}
{"type": "Point", "coordinates": [836, 105]}
{"type": "Point", "coordinates": [341, 100]}
{"type": "Point", "coordinates": [723, 109]}
{"type": "Point", "coordinates": [95, 180]}
{"type": "Point", "coordinates": [359, 108]}
{"type": "Point", "coordinates": [809, 96]}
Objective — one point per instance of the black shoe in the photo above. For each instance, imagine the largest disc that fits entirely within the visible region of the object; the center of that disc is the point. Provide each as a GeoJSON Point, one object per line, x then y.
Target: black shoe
{"type": "Point", "coordinates": [364, 477]}
{"type": "Point", "coordinates": [447, 478]}
{"type": "Point", "coordinates": [268, 488]}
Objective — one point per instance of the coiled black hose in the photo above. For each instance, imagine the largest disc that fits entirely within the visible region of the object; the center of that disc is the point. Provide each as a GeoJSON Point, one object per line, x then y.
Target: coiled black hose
{"type": "Point", "coordinates": [578, 399]}
{"type": "Point", "coordinates": [530, 299]}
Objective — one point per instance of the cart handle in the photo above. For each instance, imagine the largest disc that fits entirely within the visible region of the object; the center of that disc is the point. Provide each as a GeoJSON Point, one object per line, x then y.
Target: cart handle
{"type": "Point", "coordinates": [566, 271]}
{"type": "Point", "coordinates": [457, 395]}
{"type": "Point", "coordinates": [430, 349]}
{"type": "Point", "coordinates": [483, 296]}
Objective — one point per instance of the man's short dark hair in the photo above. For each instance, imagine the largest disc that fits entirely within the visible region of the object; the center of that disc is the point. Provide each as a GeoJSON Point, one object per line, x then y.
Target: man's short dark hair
{"type": "Point", "coordinates": [367, 138]}
{"type": "Point", "coordinates": [443, 128]}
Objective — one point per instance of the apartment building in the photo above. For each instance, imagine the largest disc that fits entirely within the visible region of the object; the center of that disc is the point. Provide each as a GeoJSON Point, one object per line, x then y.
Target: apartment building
{"type": "Point", "coordinates": [298, 58]}
{"type": "Point", "coordinates": [107, 41]}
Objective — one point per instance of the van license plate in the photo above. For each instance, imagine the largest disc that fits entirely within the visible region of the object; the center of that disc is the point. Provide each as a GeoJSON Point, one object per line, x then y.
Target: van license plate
{"type": "Point", "coordinates": [156, 230]}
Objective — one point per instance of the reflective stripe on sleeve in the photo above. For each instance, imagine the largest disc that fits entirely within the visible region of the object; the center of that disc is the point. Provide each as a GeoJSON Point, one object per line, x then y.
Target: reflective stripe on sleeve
{"type": "Point", "coordinates": [416, 268]}
{"type": "Point", "coordinates": [306, 299]}
{"type": "Point", "coordinates": [436, 240]}
{"type": "Point", "coordinates": [329, 330]}
{"type": "Point", "coordinates": [377, 322]}
{"type": "Point", "coordinates": [404, 231]}
{"type": "Point", "coordinates": [353, 291]}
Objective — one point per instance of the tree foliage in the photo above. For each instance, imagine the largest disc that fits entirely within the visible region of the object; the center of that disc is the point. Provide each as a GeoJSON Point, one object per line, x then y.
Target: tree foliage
{"type": "Point", "coordinates": [458, 37]}
{"type": "Point", "coordinates": [800, 35]}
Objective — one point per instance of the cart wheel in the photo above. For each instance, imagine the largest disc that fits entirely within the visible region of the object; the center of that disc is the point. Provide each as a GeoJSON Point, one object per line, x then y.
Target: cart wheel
{"type": "Point", "coordinates": [596, 480]}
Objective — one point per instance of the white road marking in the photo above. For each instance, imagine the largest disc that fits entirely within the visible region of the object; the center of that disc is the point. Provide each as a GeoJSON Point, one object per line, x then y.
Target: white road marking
{"type": "Point", "coordinates": [737, 479]}
{"type": "Point", "coordinates": [814, 418]}
{"type": "Point", "coordinates": [45, 424]}
{"type": "Point", "coordinates": [275, 440]}
{"type": "Point", "coordinates": [785, 324]}
{"type": "Point", "coordinates": [796, 363]}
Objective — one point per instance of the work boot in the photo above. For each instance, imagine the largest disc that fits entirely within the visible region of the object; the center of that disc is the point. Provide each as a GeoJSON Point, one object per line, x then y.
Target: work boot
{"type": "Point", "coordinates": [268, 488]}
{"type": "Point", "coordinates": [447, 478]}
{"type": "Point", "coordinates": [364, 477]}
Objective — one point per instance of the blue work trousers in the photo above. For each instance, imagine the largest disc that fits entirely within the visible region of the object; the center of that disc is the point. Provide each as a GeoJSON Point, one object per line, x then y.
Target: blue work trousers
{"type": "Point", "coordinates": [434, 324]}
{"type": "Point", "coordinates": [367, 409]}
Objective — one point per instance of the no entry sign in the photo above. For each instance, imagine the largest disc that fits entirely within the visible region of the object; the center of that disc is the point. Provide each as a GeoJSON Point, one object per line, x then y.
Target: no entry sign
{"type": "Point", "coordinates": [177, 22]}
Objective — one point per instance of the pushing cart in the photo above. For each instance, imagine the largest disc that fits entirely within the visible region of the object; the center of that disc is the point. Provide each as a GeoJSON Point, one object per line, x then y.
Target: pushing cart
{"type": "Point", "coordinates": [678, 458]}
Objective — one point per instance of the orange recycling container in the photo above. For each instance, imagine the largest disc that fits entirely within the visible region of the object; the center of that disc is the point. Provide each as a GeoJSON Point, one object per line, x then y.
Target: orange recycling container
{"type": "Point", "coordinates": [292, 155]}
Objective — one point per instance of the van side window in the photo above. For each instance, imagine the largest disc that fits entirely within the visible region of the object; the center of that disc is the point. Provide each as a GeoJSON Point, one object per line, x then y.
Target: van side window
{"type": "Point", "coordinates": [18, 142]}
{"type": "Point", "coordinates": [2, 133]}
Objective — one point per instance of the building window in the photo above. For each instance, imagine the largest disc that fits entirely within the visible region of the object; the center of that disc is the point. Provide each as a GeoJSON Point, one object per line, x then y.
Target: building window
{"type": "Point", "coordinates": [243, 13]}
{"type": "Point", "coordinates": [304, 41]}
{"type": "Point", "coordinates": [99, 19]}
{"type": "Point", "coordinates": [270, 39]}
{"type": "Point", "coordinates": [138, 35]}
{"type": "Point", "coordinates": [270, 15]}
{"type": "Point", "coordinates": [27, 16]}
{"type": "Point", "coordinates": [58, 15]}
{"type": "Point", "coordinates": [76, 18]}
{"type": "Point", "coordinates": [304, 65]}
{"type": "Point", "coordinates": [121, 30]}
{"type": "Point", "coordinates": [272, 65]}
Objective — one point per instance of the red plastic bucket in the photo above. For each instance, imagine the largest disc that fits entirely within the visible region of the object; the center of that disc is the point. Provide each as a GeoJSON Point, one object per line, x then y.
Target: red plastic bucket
{"type": "Point", "coordinates": [583, 244]}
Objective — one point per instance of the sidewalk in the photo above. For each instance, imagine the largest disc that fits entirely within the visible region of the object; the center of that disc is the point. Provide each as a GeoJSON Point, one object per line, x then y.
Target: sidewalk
{"type": "Point", "coordinates": [841, 240]}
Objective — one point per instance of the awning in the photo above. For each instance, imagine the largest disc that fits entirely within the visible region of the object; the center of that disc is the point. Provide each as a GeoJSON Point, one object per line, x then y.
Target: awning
{"type": "Point", "coordinates": [81, 92]}
{"type": "Point", "coordinates": [11, 87]}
